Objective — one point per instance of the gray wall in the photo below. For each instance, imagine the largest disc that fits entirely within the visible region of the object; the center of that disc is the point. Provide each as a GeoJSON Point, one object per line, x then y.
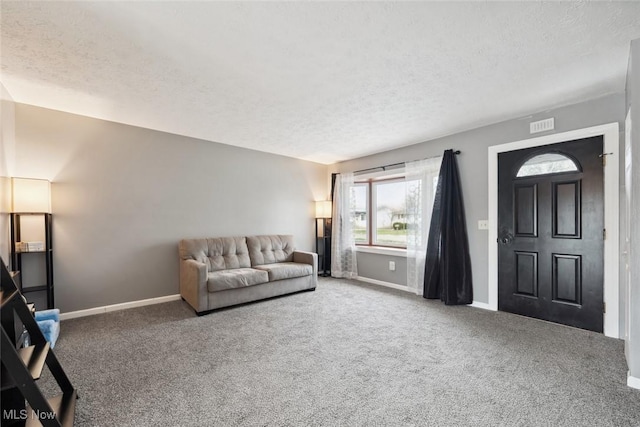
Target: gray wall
{"type": "Point", "coordinates": [378, 266]}
{"type": "Point", "coordinates": [7, 146]}
{"type": "Point", "coordinates": [472, 163]}
{"type": "Point", "coordinates": [633, 100]}
{"type": "Point", "coordinates": [122, 198]}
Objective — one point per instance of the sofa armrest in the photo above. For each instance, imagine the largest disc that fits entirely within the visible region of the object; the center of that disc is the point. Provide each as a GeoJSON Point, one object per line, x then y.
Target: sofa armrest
{"type": "Point", "coordinates": [310, 258]}
{"type": "Point", "coordinates": [193, 284]}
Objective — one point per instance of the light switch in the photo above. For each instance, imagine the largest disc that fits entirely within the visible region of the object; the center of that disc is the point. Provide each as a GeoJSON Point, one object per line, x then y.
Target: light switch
{"type": "Point", "coordinates": [392, 266]}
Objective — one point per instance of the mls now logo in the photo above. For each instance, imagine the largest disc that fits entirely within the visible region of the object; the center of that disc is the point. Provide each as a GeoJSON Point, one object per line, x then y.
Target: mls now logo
{"type": "Point", "coordinates": [23, 414]}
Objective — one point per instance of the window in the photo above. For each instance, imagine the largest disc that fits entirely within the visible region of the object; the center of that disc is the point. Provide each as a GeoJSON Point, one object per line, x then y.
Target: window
{"type": "Point", "coordinates": [544, 164]}
{"type": "Point", "coordinates": [360, 209]}
{"type": "Point", "coordinates": [381, 203]}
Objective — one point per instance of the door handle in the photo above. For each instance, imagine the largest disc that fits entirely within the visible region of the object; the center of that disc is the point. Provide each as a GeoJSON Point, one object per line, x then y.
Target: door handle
{"type": "Point", "coordinates": [506, 239]}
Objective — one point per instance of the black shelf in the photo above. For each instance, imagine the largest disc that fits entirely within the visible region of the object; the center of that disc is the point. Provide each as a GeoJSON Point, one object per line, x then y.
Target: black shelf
{"type": "Point", "coordinates": [33, 358]}
{"type": "Point", "coordinates": [16, 255]}
{"type": "Point", "coordinates": [35, 288]}
{"type": "Point", "coordinates": [22, 366]}
{"type": "Point", "coordinates": [7, 296]}
{"type": "Point", "coordinates": [323, 246]}
{"type": "Point", "coordinates": [63, 405]}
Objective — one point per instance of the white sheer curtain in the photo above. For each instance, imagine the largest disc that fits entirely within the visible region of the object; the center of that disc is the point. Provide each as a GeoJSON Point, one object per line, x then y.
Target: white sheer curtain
{"type": "Point", "coordinates": [422, 178]}
{"type": "Point", "coordinates": [343, 245]}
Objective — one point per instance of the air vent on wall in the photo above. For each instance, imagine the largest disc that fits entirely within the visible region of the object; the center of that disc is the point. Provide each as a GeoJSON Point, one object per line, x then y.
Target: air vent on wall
{"type": "Point", "coordinates": [541, 125]}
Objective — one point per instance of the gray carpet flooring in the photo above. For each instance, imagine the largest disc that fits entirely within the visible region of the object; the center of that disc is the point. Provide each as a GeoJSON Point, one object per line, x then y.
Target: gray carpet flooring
{"type": "Point", "coordinates": [346, 354]}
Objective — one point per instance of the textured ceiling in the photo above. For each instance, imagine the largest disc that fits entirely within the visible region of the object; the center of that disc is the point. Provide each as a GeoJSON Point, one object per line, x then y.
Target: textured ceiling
{"type": "Point", "coordinates": [324, 81]}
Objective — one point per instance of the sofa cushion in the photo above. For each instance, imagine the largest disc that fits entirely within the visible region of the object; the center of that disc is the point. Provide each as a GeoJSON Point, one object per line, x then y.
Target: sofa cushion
{"type": "Point", "coordinates": [220, 253]}
{"type": "Point", "coordinates": [235, 278]}
{"type": "Point", "coordinates": [270, 249]}
{"type": "Point", "coordinates": [286, 270]}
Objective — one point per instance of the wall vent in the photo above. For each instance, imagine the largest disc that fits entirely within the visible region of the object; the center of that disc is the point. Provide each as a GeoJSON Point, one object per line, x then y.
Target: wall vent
{"type": "Point", "coordinates": [541, 125]}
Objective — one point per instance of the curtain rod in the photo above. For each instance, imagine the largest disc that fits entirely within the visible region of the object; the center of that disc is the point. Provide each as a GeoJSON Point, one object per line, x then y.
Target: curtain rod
{"type": "Point", "coordinates": [384, 168]}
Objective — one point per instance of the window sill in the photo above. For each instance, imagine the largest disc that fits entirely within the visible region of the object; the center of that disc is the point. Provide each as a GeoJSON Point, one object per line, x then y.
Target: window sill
{"type": "Point", "coordinates": [399, 252]}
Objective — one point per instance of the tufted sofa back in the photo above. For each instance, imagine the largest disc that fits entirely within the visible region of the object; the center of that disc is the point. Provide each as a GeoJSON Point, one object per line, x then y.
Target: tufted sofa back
{"type": "Point", "coordinates": [270, 249]}
{"type": "Point", "coordinates": [221, 253]}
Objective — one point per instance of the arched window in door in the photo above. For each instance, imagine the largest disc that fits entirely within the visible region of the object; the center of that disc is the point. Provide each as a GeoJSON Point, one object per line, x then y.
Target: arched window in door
{"type": "Point", "coordinates": [547, 163]}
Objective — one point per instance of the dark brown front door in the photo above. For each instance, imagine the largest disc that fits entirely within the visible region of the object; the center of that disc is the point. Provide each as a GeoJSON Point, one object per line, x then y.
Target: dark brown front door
{"type": "Point", "coordinates": [550, 233]}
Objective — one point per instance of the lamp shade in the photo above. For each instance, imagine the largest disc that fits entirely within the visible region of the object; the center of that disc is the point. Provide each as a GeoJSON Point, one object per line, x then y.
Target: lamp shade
{"type": "Point", "coordinates": [323, 209]}
{"type": "Point", "coordinates": [30, 195]}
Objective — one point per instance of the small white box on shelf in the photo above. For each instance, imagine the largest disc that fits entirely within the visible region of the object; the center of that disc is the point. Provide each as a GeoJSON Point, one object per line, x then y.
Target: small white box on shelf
{"type": "Point", "coordinates": [35, 246]}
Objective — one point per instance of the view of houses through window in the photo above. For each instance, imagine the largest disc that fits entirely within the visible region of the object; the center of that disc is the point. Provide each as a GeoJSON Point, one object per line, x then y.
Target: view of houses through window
{"type": "Point", "coordinates": [384, 204]}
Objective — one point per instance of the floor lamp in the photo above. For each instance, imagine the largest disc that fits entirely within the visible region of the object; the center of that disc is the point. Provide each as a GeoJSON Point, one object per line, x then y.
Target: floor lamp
{"type": "Point", "coordinates": [323, 237]}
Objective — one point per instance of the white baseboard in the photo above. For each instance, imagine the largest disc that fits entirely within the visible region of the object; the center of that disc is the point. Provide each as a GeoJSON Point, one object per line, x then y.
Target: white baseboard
{"type": "Point", "coordinates": [482, 305]}
{"type": "Point", "coordinates": [116, 307]}
{"type": "Point", "coordinates": [382, 283]}
{"type": "Point", "coordinates": [478, 304]}
{"type": "Point", "coordinates": [633, 382]}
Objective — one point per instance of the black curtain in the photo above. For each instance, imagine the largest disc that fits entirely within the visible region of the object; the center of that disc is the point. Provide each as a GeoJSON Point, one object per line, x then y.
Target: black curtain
{"type": "Point", "coordinates": [329, 225]}
{"type": "Point", "coordinates": [333, 184]}
{"type": "Point", "coordinates": [447, 272]}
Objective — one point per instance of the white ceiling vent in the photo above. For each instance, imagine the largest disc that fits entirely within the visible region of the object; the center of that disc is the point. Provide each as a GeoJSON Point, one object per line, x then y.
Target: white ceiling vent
{"type": "Point", "coordinates": [541, 125]}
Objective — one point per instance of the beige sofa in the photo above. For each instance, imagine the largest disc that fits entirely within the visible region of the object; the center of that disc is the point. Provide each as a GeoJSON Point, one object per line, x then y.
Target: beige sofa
{"type": "Point", "coordinates": [225, 271]}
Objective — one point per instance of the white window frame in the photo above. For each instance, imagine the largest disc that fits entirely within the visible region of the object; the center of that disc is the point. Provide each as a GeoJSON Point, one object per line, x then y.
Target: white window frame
{"type": "Point", "coordinates": [367, 214]}
{"type": "Point", "coordinates": [370, 245]}
{"type": "Point", "coordinates": [374, 213]}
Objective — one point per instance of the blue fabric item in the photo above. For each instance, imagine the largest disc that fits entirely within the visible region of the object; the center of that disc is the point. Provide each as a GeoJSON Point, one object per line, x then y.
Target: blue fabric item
{"type": "Point", "coordinates": [53, 314]}
{"type": "Point", "coordinates": [50, 329]}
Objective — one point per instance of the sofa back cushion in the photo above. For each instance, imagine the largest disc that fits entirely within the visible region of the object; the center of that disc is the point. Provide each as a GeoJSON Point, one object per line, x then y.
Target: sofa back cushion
{"type": "Point", "coordinates": [221, 253]}
{"type": "Point", "coordinates": [270, 249]}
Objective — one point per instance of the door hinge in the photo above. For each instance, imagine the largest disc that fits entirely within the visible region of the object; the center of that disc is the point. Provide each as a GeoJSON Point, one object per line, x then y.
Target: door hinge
{"type": "Point", "coordinates": [604, 307]}
{"type": "Point", "coordinates": [603, 156]}
{"type": "Point", "coordinates": [604, 234]}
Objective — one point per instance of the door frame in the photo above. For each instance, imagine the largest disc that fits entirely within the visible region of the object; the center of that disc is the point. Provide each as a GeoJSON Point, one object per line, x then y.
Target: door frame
{"type": "Point", "coordinates": [611, 144]}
